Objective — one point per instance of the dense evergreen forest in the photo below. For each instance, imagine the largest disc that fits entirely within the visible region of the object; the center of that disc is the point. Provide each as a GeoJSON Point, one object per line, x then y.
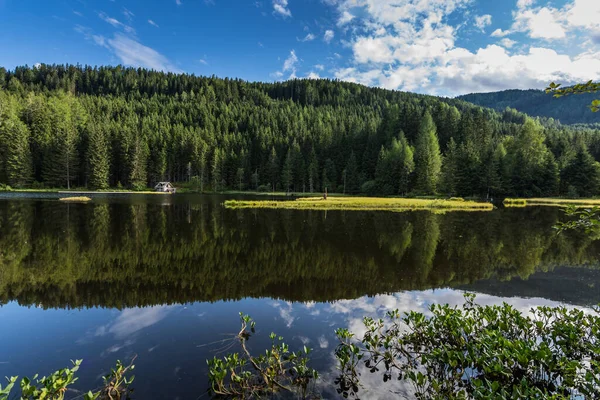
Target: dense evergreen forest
{"type": "Point", "coordinates": [538, 103]}
{"type": "Point", "coordinates": [75, 126]}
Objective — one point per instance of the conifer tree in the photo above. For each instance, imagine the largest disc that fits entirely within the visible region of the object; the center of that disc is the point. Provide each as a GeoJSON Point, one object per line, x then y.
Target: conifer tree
{"type": "Point", "coordinates": [352, 183]}
{"type": "Point", "coordinates": [97, 157]}
{"type": "Point", "coordinates": [428, 160]}
{"type": "Point", "coordinates": [287, 176]}
{"type": "Point", "coordinates": [273, 168]}
{"type": "Point", "coordinates": [217, 169]}
{"type": "Point", "coordinates": [137, 169]}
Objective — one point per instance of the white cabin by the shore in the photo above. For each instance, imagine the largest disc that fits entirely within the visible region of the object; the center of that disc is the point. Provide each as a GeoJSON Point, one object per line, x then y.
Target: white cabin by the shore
{"type": "Point", "coordinates": [165, 187]}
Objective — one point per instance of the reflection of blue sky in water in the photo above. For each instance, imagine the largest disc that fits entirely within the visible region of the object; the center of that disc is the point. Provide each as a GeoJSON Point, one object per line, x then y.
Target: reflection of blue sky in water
{"type": "Point", "coordinates": [172, 342]}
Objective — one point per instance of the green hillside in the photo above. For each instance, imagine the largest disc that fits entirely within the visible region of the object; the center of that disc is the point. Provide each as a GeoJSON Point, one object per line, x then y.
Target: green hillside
{"type": "Point", "coordinates": [568, 110]}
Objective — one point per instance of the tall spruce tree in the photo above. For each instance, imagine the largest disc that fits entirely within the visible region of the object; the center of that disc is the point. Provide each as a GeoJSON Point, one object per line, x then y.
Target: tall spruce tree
{"type": "Point", "coordinates": [428, 159]}
{"type": "Point", "coordinates": [97, 157]}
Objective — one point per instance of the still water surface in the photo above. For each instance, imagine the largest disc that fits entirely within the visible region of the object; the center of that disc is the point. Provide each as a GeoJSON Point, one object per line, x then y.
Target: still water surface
{"type": "Point", "coordinates": [164, 277]}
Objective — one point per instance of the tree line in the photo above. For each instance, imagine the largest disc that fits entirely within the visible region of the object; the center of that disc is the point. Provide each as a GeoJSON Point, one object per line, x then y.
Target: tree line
{"type": "Point", "coordinates": [78, 126]}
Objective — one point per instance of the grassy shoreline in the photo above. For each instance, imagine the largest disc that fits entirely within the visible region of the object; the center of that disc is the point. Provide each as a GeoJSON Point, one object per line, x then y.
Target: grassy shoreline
{"type": "Point", "coordinates": [551, 202]}
{"type": "Point", "coordinates": [363, 204]}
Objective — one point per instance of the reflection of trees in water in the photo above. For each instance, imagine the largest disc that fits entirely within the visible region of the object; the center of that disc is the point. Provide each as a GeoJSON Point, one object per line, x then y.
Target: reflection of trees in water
{"type": "Point", "coordinates": [121, 255]}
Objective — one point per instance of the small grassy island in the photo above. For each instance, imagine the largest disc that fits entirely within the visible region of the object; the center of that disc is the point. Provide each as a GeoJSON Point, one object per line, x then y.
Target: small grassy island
{"type": "Point", "coordinates": [80, 199]}
{"type": "Point", "coordinates": [551, 202]}
{"type": "Point", "coordinates": [363, 204]}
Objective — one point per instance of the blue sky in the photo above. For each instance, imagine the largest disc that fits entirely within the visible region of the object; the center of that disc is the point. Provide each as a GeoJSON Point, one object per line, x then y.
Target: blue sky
{"type": "Point", "coordinates": [444, 47]}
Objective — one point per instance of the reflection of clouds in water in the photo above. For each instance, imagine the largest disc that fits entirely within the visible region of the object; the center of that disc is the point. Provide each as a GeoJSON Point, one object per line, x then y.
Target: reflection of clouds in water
{"type": "Point", "coordinates": [304, 340]}
{"type": "Point", "coordinates": [285, 309]}
{"type": "Point", "coordinates": [117, 347]}
{"type": "Point", "coordinates": [350, 314]}
{"type": "Point", "coordinates": [126, 325]}
{"type": "Point", "coordinates": [323, 342]}
{"type": "Point", "coordinates": [133, 320]}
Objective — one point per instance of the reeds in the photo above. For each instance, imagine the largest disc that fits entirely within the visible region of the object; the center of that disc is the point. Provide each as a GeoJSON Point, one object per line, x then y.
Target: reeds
{"type": "Point", "coordinates": [76, 199]}
{"type": "Point", "coordinates": [363, 203]}
{"type": "Point", "coordinates": [551, 202]}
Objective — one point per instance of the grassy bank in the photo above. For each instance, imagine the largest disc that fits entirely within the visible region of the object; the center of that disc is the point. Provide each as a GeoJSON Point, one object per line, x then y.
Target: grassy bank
{"type": "Point", "coordinates": [551, 202]}
{"type": "Point", "coordinates": [363, 203]}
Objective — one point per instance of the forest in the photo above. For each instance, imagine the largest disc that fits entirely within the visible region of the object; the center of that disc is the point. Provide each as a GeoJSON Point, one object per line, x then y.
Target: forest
{"type": "Point", "coordinates": [99, 127]}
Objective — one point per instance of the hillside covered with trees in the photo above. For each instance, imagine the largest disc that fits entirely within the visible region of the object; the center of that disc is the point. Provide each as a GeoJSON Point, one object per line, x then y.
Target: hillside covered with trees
{"type": "Point", "coordinates": [74, 126]}
{"type": "Point", "coordinates": [538, 103]}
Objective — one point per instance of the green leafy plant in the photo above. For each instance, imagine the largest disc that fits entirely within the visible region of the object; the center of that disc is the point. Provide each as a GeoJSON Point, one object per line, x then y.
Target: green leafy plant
{"type": "Point", "coordinates": [117, 385]}
{"type": "Point", "coordinates": [586, 220]}
{"type": "Point", "coordinates": [242, 375]}
{"type": "Point", "coordinates": [480, 352]}
{"type": "Point", "coordinates": [53, 386]}
{"type": "Point", "coordinates": [5, 391]}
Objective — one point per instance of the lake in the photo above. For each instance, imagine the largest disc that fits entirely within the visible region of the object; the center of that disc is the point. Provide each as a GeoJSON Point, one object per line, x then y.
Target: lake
{"type": "Point", "coordinates": [164, 278]}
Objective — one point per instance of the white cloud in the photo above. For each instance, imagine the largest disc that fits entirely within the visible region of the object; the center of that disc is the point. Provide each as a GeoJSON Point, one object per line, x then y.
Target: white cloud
{"type": "Point", "coordinates": [308, 38]}
{"type": "Point", "coordinates": [525, 3]}
{"type": "Point", "coordinates": [483, 21]}
{"type": "Point", "coordinates": [542, 23]}
{"type": "Point", "coordinates": [153, 23]}
{"type": "Point", "coordinates": [128, 14]}
{"type": "Point", "coordinates": [345, 17]}
{"type": "Point", "coordinates": [78, 13]}
{"type": "Point", "coordinates": [412, 45]}
{"type": "Point", "coordinates": [133, 53]}
{"type": "Point", "coordinates": [508, 43]}
{"type": "Point", "coordinates": [116, 23]}
{"type": "Point", "coordinates": [555, 23]}
{"type": "Point", "coordinates": [203, 61]}
{"type": "Point", "coordinates": [281, 7]}
{"type": "Point", "coordinates": [178, 2]}
{"type": "Point", "coordinates": [328, 36]}
{"type": "Point", "coordinates": [290, 62]}
{"type": "Point", "coordinates": [289, 66]}
{"type": "Point", "coordinates": [313, 75]}
{"type": "Point", "coordinates": [500, 33]}
{"type": "Point", "coordinates": [320, 67]}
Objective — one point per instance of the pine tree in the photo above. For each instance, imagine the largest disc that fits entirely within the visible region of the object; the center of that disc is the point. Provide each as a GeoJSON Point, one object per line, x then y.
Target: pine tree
{"type": "Point", "coordinates": [582, 175]}
{"type": "Point", "coordinates": [273, 168]}
{"type": "Point", "coordinates": [313, 172]}
{"type": "Point", "coordinates": [287, 176]}
{"type": "Point", "coordinates": [97, 157]}
{"type": "Point", "coordinates": [352, 183]}
{"type": "Point", "coordinates": [217, 169]}
{"type": "Point", "coordinates": [406, 165]}
{"type": "Point", "coordinates": [61, 158]}
{"type": "Point", "coordinates": [428, 160]}
{"type": "Point", "coordinates": [15, 155]}
{"type": "Point", "coordinates": [138, 177]}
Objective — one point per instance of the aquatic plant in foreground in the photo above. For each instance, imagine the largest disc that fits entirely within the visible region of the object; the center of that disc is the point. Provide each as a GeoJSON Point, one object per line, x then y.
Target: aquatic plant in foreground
{"type": "Point", "coordinates": [478, 352]}
{"type": "Point", "coordinates": [56, 385]}
{"type": "Point", "coordinates": [242, 375]}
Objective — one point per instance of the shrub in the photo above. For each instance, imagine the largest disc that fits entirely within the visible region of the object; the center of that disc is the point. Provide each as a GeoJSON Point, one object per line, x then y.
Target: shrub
{"type": "Point", "coordinates": [369, 188]}
{"type": "Point", "coordinates": [264, 188]}
{"type": "Point", "coordinates": [479, 352]}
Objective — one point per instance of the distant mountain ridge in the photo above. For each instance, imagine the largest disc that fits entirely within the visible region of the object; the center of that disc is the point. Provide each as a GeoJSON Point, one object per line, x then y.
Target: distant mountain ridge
{"type": "Point", "coordinates": [568, 110]}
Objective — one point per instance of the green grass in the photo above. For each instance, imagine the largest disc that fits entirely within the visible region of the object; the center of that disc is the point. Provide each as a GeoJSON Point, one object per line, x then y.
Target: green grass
{"type": "Point", "coordinates": [76, 199]}
{"type": "Point", "coordinates": [551, 202]}
{"type": "Point", "coordinates": [363, 203]}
